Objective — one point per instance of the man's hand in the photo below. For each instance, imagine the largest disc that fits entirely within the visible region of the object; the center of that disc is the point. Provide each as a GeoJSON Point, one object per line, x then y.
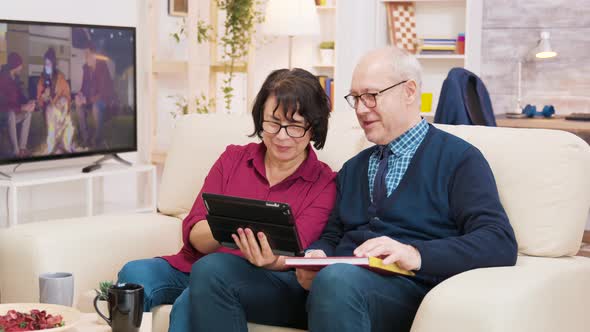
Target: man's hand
{"type": "Point", "coordinates": [305, 277]}
{"type": "Point", "coordinates": [259, 255]}
{"type": "Point", "coordinates": [80, 99]}
{"type": "Point", "coordinates": [405, 256]}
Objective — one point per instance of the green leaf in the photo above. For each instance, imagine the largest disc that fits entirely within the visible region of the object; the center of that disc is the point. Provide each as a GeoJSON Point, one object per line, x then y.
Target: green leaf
{"type": "Point", "coordinates": [103, 289]}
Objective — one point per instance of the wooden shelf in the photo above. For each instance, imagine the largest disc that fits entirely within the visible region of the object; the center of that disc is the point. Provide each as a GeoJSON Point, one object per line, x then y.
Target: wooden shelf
{"type": "Point", "coordinates": [171, 67]}
{"type": "Point", "coordinates": [423, 0]}
{"type": "Point", "coordinates": [159, 157]}
{"type": "Point", "coordinates": [325, 8]}
{"type": "Point", "coordinates": [323, 66]}
{"type": "Point", "coordinates": [441, 56]}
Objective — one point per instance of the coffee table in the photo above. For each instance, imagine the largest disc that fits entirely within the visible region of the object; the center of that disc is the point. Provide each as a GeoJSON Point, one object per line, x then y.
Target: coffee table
{"type": "Point", "coordinates": [89, 322]}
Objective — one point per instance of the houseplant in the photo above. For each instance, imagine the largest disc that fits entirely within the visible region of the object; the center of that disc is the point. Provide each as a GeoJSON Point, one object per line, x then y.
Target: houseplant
{"type": "Point", "coordinates": [241, 18]}
{"type": "Point", "coordinates": [103, 293]}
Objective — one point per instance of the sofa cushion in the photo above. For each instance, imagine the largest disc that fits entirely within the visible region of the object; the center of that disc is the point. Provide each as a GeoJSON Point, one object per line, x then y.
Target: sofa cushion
{"type": "Point", "coordinates": [93, 249]}
{"type": "Point", "coordinates": [543, 178]}
{"type": "Point", "coordinates": [198, 141]}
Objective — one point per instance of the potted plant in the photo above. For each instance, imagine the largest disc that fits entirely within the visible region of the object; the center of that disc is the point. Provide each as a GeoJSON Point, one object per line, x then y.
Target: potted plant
{"type": "Point", "coordinates": [103, 293]}
{"type": "Point", "coordinates": [239, 28]}
{"type": "Point", "coordinates": [327, 52]}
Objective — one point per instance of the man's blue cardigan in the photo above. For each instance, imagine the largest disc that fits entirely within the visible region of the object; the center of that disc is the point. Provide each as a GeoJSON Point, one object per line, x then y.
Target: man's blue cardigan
{"type": "Point", "coordinates": [446, 206]}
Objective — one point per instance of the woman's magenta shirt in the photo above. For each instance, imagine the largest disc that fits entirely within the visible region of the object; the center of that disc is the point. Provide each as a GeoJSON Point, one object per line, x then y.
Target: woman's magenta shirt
{"type": "Point", "coordinates": [240, 171]}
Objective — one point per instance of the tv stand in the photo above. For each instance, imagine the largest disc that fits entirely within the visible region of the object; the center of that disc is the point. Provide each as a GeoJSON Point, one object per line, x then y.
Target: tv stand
{"type": "Point", "coordinates": [97, 164]}
{"type": "Point", "coordinates": [93, 202]}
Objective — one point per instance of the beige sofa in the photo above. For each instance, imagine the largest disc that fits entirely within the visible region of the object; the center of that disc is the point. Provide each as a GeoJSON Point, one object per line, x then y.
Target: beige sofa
{"type": "Point", "coordinates": [544, 183]}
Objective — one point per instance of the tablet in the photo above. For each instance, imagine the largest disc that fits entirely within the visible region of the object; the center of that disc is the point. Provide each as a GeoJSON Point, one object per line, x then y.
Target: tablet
{"type": "Point", "coordinates": [226, 214]}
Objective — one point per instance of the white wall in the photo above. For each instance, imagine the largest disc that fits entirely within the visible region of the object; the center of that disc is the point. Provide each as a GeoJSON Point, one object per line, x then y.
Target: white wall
{"type": "Point", "coordinates": [104, 12]}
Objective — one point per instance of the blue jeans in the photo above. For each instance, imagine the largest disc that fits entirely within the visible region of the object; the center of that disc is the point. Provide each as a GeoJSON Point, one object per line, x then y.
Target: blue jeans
{"type": "Point", "coordinates": [226, 292]}
{"type": "Point", "coordinates": [350, 298]}
{"type": "Point", "coordinates": [162, 284]}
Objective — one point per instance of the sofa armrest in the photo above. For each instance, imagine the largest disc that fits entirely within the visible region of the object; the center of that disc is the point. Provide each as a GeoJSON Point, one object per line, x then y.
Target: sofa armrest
{"type": "Point", "coordinates": [538, 294]}
{"type": "Point", "coordinates": [93, 249]}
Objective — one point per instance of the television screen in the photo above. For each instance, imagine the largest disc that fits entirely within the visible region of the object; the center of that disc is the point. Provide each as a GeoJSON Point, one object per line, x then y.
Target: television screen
{"type": "Point", "coordinates": [66, 90]}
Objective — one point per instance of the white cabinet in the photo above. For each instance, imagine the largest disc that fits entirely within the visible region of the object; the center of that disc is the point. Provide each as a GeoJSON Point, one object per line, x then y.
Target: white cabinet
{"type": "Point", "coordinates": [95, 198]}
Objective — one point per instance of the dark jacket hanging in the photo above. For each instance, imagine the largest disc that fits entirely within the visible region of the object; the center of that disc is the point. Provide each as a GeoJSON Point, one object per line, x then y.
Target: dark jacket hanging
{"type": "Point", "coordinates": [464, 99]}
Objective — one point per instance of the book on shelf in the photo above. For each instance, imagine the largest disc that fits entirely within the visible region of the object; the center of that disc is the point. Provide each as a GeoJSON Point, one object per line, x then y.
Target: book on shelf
{"type": "Point", "coordinates": [429, 52]}
{"type": "Point", "coordinates": [327, 84]}
{"type": "Point", "coordinates": [372, 263]}
{"type": "Point", "coordinates": [331, 95]}
{"type": "Point", "coordinates": [437, 47]}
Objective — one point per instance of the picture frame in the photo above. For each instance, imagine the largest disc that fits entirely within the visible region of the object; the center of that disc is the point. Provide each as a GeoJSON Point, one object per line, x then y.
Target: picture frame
{"type": "Point", "coordinates": [178, 8]}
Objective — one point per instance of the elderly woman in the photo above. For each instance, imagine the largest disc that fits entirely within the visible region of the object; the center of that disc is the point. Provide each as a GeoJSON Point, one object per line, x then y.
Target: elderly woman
{"type": "Point", "coordinates": [290, 111]}
{"type": "Point", "coordinates": [53, 95]}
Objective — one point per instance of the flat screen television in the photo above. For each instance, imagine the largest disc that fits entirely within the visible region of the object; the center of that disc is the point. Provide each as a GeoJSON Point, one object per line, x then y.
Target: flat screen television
{"type": "Point", "coordinates": [66, 90]}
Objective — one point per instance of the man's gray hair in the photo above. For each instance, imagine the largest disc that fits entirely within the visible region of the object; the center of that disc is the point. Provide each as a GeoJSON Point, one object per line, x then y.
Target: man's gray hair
{"type": "Point", "coordinates": [406, 66]}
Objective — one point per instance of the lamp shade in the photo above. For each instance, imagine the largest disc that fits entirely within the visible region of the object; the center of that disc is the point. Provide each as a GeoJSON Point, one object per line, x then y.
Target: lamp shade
{"type": "Point", "coordinates": [544, 49]}
{"type": "Point", "coordinates": [291, 18]}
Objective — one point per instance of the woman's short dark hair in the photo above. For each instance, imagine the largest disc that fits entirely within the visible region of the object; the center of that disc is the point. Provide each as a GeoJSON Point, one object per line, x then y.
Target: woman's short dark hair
{"type": "Point", "coordinates": [295, 91]}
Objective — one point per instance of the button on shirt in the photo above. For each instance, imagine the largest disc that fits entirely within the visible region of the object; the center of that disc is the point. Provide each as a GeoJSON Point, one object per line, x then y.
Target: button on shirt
{"type": "Point", "coordinates": [403, 149]}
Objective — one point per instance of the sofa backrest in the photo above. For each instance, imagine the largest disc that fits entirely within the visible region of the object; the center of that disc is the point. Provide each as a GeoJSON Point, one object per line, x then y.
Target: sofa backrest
{"type": "Point", "coordinates": [543, 176]}
{"type": "Point", "coordinates": [199, 139]}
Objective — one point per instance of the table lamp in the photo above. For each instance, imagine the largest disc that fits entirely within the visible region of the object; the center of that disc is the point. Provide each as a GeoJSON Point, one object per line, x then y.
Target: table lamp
{"type": "Point", "coordinates": [542, 50]}
{"type": "Point", "coordinates": [291, 18]}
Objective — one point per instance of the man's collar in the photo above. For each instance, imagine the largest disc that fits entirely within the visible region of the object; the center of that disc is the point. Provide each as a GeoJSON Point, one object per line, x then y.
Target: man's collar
{"type": "Point", "coordinates": [408, 140]}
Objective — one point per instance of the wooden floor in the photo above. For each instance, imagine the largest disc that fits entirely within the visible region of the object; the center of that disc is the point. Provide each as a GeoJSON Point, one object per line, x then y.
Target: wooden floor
{"type": "Point", "coordinates": [585, 250]}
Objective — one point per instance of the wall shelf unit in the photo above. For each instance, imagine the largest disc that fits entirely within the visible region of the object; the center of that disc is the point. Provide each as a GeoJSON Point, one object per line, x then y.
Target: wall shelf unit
{"type": "Point", "coordinates": [165, 65]}
{"type": "Point", "coordinates": [434, 19]}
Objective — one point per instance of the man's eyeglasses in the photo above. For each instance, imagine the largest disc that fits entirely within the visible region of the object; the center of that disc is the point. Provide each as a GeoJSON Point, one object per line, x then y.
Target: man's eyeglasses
{"type": "Point", "coordinates": [368, 98]}
{"type": "Point", "coordinates": [294, 131]}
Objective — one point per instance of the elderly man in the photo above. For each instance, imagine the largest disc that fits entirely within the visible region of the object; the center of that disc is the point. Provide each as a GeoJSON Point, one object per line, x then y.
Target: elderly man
{"type": "Point", "coordinates": [420, 197]}
{"type": "Point", "coordinates": [14, 106]}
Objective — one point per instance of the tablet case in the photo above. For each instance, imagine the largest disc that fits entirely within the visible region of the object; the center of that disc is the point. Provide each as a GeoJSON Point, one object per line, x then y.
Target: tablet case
{"type": "Point", "coordinates": [228, 213]}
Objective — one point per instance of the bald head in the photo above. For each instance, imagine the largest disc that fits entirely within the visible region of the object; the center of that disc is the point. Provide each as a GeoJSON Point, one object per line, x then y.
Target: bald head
{"type": "Point", "coordinates": [393, 63]}
{"type": "Point", "coordinates": [386, 83]}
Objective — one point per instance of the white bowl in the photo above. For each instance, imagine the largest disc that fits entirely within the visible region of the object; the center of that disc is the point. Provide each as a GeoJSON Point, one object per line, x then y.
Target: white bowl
{"type": "Point", "coordinates": [70, 315]}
